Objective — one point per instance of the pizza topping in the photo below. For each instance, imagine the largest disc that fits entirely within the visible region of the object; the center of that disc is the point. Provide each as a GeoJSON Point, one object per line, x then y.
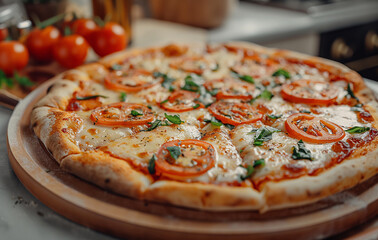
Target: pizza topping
{"type": "Point", "coordinates": [235, 113]}
{"type": "Point", "coordinates": [174, 50]}
{"type": "Point", "coordinates": [151, 165]}
{"type": "Point", "coordinates": [122, 115]}
{"type": "Point", "coordinates": [215, 122]}
{"type": "Point", "coordinates": [313, 129]}
{"type": "Point", "coordinates": [185, 158]}
{"type": "Point", "coordinates": [181, 101]}
{"type": "Point", "coordinates": [116, 67]}
{"type": "Point", "coordinates": [357, 129]}
{"type": "Point", "coordinates": [281, 72]}
{"type": "Point", "coordinates": [122, 97]}
{"type": "Point", "coordinates": [310, 92]}
{"type": "Point", "coordinates": [357, 108]}
{"type": "Point", "coordinates": [90, 97]}
{"type": "Point", "coordinates": [251, 168]}
{"type": "Point", "coordinates": [246, 78]}
{"type": "Point", "coordinates": [175, 119]}
{"type": "Point", "coordinates": [131, 81]}
{"type": "Point", "coordinates": [230, 89]}
{"type": "Point", "coordinates": [265, 94]}
{"type": "Point", "coordinates": [272, 116]}
{"type": "Point", "coordinates": [167, 81]}
{"type": "Point", "coordinates": [195, 65]}
{"type": "Point", "coordinates": [350, 93]}
{"type": "Point", "coordinates": [263, 134]}
{"type": "Point", "coordinates": [301, 152]}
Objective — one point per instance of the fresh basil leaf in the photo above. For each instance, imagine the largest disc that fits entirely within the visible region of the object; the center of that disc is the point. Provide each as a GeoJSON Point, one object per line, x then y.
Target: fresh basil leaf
{"type": "Point", "coordinates": [266, 94]}
{"type": "Point", "coordinates": [272, 116]}
{"type": "Point", "coordinates": [135, 113]}
{"type": "Point", "coordinates": [22, 80]}
{"type": "Point", "coordinates": [245, 78]}
{"type": "Point", "coordinates": [305, 111]}
{"type": "Point", "coordinates": [281, 72]}
{"type": "Point", "coordinates": [259, 162]}
{"type": "Point", "coordinates": [154, 125]}
{"type": "Point", "coordinates": [122, 96]}
{"type": "Point", "coordinates": [151, 165]}
{"type": "Point", "coordinates": [4, 79]}
{"type": "Point", "coordinates": [167, 81]}
{"type": "Point", "coordinates": [214, 122]}
{"type": "Point", "coordinates": [90, 97]}
{"type": "Point", "coordinates": [250, 169]}
{"type": "Point", "coordinates": [357, 129]}
{"type": "Point", "coordinates": [190, 84]}
{"type": "Point", "coordinates": [174, 151]}
{"type": "Point", "coordinates": [229, 126]}
{"type": "Point", "coordinates": [301, 152]}
{"type": "Point", "coordinates": [162, 102]}
{"type": "Point", "coordinates": [350, 93]}
{"type": "Point", "coordinates": [263, 134]}
{"type": "Point", "coordinates": [175, 119]}
{"type": "Point", "coordinates": [196, 106]}
{"type": "Point", "coordinates": [357, 108]}
{"type": "Point", "coordinates": [116, 67]}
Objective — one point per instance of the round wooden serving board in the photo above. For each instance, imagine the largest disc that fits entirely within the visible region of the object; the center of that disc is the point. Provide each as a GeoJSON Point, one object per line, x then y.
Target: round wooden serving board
{"type": "Point", "coordinates": [120, 216]}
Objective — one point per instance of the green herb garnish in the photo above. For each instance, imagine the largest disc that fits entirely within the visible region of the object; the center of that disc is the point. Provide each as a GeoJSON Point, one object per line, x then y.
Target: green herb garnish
{"type": "Point", "coordinates": [245, 78]}
{"type": "Point", "coordinates": [190, 84]}
{"type": "Point", "coordinates": [90, 97]}
{"type": "Point", "coordinates": [167, 81]}
{"type": "Point", "coordinates": [162, 102]}
{"type": "Point", "coordinates": [215, 122]}
{"type": "Point", "coordinates": [305, 111]}
{"type": "Point", "coordinates": [357, 108]}
{"type": "Point", "coordinates": [154, 125]}
{"type": "Point", "coordinates": [301, 152]}
{"type": "Point", "coordinates": [135, 113]}
{"type": "Point", "coordinates": [122, 96]}
{"type": "Point", "coordinates": [216, 68]}
{"type": "Point", "coordinates": [22, 80]}
{"type": "Point", "coordinates": [174, 151]}
{"type": "Point", "coordinates": [151, 165]}
{"type": "Point", "coordinates": [196, 106]}
{"type": "Point", "coordinates": [251, 168]}
{"type": "Point", "coordinates": [175, 119]}
{"type": "Point", "coordinates": [357, 129]}
{"type": "Point", "coordinates": [272, 116]}
{"type": "Point", "coordinates": [281, 72]}
{"type": "Point", "coordinates": [263, 134]}
{"type": "Point", "coordinates": [4, 79]}
{"type": "Point", "coordinates": [351, 93]}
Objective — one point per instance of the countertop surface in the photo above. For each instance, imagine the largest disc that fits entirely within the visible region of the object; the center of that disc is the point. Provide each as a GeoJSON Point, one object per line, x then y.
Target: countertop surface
{"type": "Point", "coordinates": [22, 216]}
{"type": "Point", "coordinates": [258, 23]}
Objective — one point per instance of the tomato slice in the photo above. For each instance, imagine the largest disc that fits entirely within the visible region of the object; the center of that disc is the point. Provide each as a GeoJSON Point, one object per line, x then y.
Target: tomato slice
{"type": "Point", "coordinates": [230, 89]}
{"type": "Point", "coordinates": [196, 158]}
{"type": "Point", "coordinates": [181, 101]}
{"type": "Point", "coordinates": [120, 115]}
{"type": "Point", "coordinates": [131, 81]}
{"type": "Point", "coordinates": [195, 65]}
{"type": "Point", "coordinates": [310, 92]}
{"type": "Point", "coordinates": [313, 129]}
{"type": "Point", "coordinates": [235, 113]}
{"type": "Point", "coordinates": [76, 104]}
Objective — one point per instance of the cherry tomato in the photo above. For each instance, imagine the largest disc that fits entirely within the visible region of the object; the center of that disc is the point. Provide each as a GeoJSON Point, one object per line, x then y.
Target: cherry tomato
{"type": "Point", "coordinates": [310, 92]}
{"type": "Point", "coordinates": [3, 34]}
{"type": "Point", "coordinates": [121, 115]}
{"type": "Point", "coordinates": [182, 101]}
{"type": "Point", "coordinates": [109, 39]}
{"type": "Point", "coordinates": [230, 89]}
{"type": "Point", "coordinates": [131, 81]}
{"type": "Point", "coordinates": [13, 56]}
{"type": "Point", "coordinates": [235, 113]}
{"type": "Point", "coordinates": [196, 158]}
{"type": "Point", "coordinates": [84, 27]}
{"type": "Point", "coordinates": [313, 129]}
{"type": "Point", "coordinates": [40, 43]}
{"type": "Point", "coordinates": [71, 51]}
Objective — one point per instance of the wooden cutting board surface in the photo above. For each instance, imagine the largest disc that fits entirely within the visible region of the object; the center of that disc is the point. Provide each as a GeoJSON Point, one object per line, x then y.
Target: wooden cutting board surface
{"type": "Point", "coordinates": [121, 216]}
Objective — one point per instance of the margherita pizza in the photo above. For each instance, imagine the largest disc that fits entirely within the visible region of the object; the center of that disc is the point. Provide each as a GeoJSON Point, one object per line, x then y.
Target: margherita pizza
{"type": "Point", "coordinates": [215, 127]}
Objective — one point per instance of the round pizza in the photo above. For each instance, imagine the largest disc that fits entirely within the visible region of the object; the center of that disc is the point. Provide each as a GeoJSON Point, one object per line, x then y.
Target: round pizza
{"type": "Point", "coordinates": [216, 127]}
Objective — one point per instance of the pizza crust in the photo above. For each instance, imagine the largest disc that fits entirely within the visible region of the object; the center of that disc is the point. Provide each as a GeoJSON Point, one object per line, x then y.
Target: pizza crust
{"type": "Point", "coordinates": [119, 176]}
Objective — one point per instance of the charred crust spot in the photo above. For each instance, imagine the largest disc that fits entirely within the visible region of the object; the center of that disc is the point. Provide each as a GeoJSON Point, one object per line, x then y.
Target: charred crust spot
{"type": "Point", "coordinates": [49, 89]}
{"type": "Point", "coordinates": [34, 125]}
{"type": "Point", "coordinates": [107, 180]}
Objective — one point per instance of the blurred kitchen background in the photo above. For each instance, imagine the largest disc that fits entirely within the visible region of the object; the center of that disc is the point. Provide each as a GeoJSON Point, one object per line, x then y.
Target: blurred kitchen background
{"type": "Point", "coordinates": [342, 30]}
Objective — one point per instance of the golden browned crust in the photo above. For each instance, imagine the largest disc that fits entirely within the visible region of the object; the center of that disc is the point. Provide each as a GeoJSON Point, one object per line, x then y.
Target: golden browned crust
{"type": "Point", "coordinates": [118, 176]}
